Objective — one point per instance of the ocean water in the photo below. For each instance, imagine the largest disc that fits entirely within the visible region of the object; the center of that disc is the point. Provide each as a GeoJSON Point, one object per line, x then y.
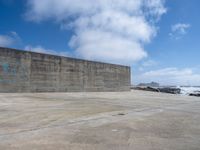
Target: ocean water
{"type": "Point", "coordinates": [188, 90]}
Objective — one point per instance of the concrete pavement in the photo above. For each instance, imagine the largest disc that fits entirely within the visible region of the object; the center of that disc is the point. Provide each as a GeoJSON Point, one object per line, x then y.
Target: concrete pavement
{"type": "Point", "coordinates": [99, 121]}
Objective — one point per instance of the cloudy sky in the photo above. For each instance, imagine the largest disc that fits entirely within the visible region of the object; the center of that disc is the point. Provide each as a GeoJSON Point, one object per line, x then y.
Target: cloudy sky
{"type": "Point", "coordinates": [159, 39]}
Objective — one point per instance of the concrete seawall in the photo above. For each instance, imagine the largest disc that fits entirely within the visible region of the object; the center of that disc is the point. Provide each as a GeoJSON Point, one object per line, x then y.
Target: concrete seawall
{"type": "Point", "coordinates": [22, 71]}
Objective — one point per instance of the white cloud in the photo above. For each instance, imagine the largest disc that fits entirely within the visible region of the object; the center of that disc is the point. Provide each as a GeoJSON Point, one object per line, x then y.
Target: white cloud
{"type": "Point", "coordinates": [9, 39]}
{"type": "Point", "coordinates": [41, 49]}
{"type": "Point", "coordinates": [5, 40]}
{"type": "Point", "coordinates": [171, 76]}
{"type": "Point", "coordinates": [179, 29]}
{"type": "Point", "coordinates": [149, 63]}
{"type": "Point", "coordinates": [107, 30]}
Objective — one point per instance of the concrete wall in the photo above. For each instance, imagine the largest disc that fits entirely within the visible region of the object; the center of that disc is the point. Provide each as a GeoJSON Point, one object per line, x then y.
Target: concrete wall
{"type": "Point", "coordinates": [22, 71]}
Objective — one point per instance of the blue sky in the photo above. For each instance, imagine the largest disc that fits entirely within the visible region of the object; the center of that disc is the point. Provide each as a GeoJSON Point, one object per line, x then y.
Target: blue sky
{"type": "Point", "coordinates": [158, 39]}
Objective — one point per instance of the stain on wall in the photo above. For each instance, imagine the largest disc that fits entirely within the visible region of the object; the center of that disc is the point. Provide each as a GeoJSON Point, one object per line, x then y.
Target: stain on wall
{"type": "Point", "coordinates": [22, 71]}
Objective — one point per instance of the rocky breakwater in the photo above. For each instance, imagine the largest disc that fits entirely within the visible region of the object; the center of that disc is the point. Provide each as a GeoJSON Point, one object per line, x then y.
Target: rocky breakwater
{"type": "Point", "coordinates": [146, 88]}
{"type": "Point", "coordinates": [190, 90]}
{"type": "Point", "coordinates": [170, 90]}
{"type": "Point", "coordinates": [155, 87]}
{"type": "Point", "coordinates": [195, 93]}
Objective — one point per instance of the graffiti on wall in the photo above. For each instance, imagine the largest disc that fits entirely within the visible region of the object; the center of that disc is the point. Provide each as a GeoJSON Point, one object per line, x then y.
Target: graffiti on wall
{"type": "Point", "coordinates": [7, 72]}
{"type": "Point", "coordinates": [10, 73]}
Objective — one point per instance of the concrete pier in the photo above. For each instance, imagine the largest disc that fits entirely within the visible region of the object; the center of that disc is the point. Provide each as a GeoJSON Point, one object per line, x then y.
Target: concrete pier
{"type": "Point", "coordinates": [136, 120]}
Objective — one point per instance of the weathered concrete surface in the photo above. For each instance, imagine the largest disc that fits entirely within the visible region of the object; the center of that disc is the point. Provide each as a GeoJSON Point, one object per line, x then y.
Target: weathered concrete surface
{"type": "Point", "coordinates": [22, 71]}
{"type": "Point", "coordinates": [99, 121]}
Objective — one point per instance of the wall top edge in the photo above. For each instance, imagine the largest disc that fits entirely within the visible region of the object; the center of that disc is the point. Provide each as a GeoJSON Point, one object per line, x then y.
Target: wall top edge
{"type": "Point", "coordinates": [78, 59]}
